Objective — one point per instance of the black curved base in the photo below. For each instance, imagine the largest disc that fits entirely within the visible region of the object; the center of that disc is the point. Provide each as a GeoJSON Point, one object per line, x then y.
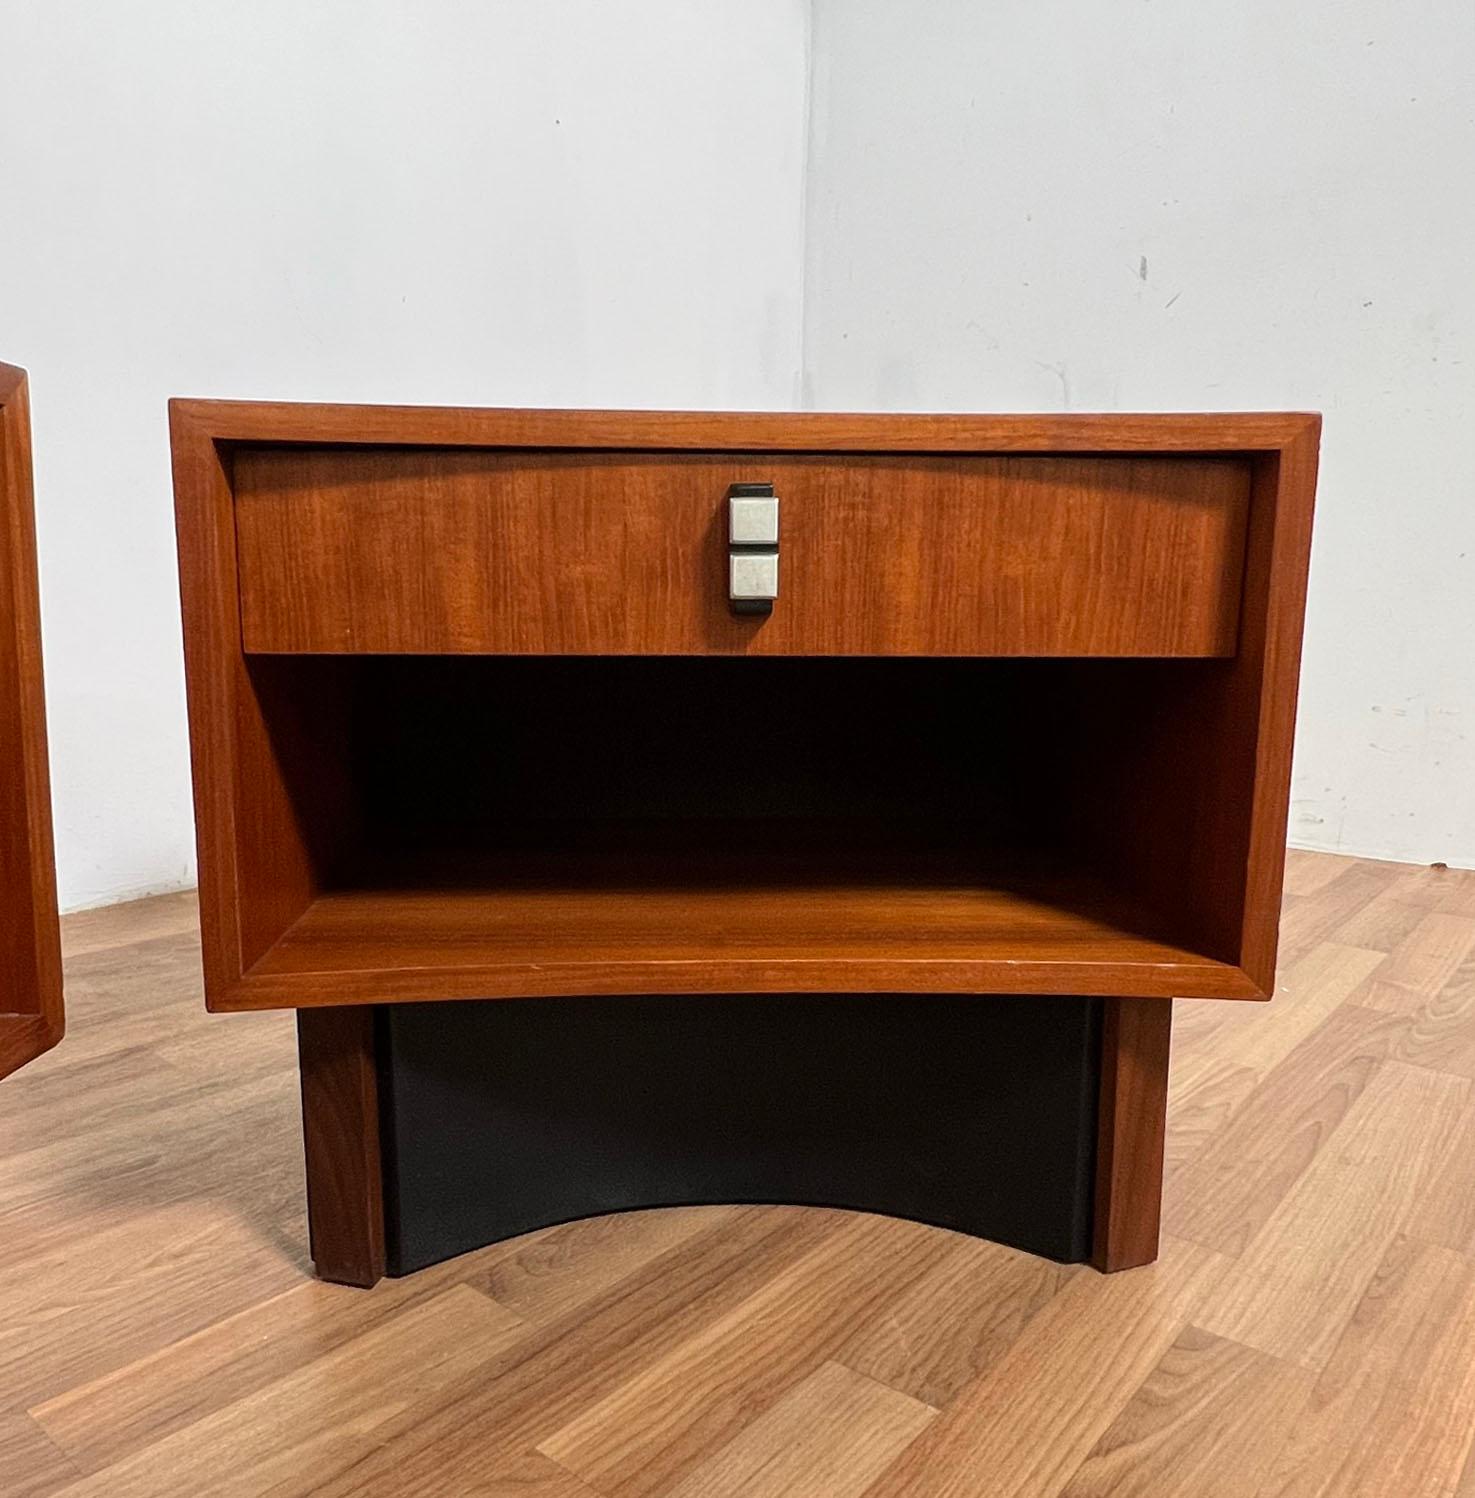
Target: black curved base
{"type": "Point", "coordinates": [501, 1116]}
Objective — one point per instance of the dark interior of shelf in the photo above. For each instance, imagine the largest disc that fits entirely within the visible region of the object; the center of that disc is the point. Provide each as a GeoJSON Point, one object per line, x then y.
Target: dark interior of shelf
{"type": "Point", "coordinates": [732, 781]}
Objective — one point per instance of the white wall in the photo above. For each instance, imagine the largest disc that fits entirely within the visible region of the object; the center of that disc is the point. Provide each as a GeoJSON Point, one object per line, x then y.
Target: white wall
{"type": "Point", "coordinates": [1047, 204]}
{"type": "Point", "coordinates": [560, 203]}
{"type": "Point", "coordinates": [1021, 205]}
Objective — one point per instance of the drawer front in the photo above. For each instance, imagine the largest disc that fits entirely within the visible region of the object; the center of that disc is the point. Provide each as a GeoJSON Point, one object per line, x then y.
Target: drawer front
{"type": "Point", "coordinates": [469, 550]}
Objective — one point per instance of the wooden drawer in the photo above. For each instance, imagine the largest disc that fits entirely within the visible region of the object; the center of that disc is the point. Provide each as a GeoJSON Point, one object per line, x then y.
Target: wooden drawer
{"type": "Point", "coordinates": [471, 550]}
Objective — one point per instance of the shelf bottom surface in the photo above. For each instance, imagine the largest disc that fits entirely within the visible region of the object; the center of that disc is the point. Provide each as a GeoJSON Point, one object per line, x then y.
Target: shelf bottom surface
{"type": "Point", "coordinates": [537, 925]}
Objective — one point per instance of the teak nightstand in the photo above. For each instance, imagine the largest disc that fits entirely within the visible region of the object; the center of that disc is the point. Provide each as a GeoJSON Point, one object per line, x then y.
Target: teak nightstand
{"type": "Point", "coordinates": [872, 894]}
{"type": "Point", "coordinates": [30, 954]}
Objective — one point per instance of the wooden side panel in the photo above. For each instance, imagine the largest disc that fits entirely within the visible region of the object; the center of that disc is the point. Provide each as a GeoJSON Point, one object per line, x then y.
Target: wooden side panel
{"type": "Point", "coordinates": [1186, 778]}
{"type": "Point", "coordinates": [257, 871]}
{"type": "Point", "coordinates": [459, 550]}
{"type": "Point", "coordinates": [31, 1019]}
{"type": "Point", "coordinates": [1277, 567]}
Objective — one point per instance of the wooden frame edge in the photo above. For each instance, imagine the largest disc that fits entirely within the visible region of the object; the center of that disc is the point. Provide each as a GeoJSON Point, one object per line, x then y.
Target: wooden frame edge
{"type": "Point", "coordinates": [492, 426]}
{"type": "Point", "coordinates": [274, 990]}
{"type": "Point", "coordinates": [1289, 564]}
{"type": "Point", "coordinates": [205, 540]}
{"type": "Point", "coordinates": [27, 1033]}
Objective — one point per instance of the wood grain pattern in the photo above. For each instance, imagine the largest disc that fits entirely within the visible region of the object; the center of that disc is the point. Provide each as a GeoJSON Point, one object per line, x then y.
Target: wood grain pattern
{"type": "Point", "coordinates": [831, 1434]}
{"type": "Point", "coordinates": [98, 1423]}
{"type": "Point", "coordinates": [1202, 1098]}
{"type": "Point", "coordinates": [1311, 921]}
{"type": "Point", "coordinates": [31, 1011]}
{"type": "Point", "coordinates": [1438, 1035]}
{"type": "Point", "coordinates": [1235, 1181]}
{"type": "Point", "coordinates": [109, 926]}
{"type": "Point", "coordinates": [548, 1274]}
{"type": "Point", "coordinates": [1422, 966]}
{"type": "Point", "coordinates": [1130, 1134]}
{"type": "Point", "coordinates": [1204, 1396]}
{"type": "Point", "coordinates": [1444, 1214]}
{"type": "Point", "coordinates": [1387, 918]}
{"type": "Point", "coordinates": [565, 1367]}
{"type": "Point", "coordinates": [431, 551]}
{"type": "Point", "coordinates": [1290, 1303]}
{"type": "Point", "coordinates": [159, 1305]}
{"type": "Point", "coordinates": [340, 1131]}
{"type": "Point", "coordinates": [255, 860]}
{"type": "Point", "coordinates": [276, 815]}
{"type": "Point", "coordinates": [1394, 1409]}
{"type": "Point", "coordinates": [32, 1464]}
{"type": "Point", "coordinates": [1267, 678]}
{"type": "Point", "coordinates": [150, 1276]}
{"type": "Point", "coordinates": [1307, 872]}
{"type": "Point", "coordinates": [922, 935]}
{"type": "Point", "coordinates": [955, 1321]}
{"type": "Point", "coordinates": [1214, 753]}
{"type": "Point", "coordinates": [1328, 976]}
{"type": "Point", "coordinates": [728, 431]}
{"type": "Point", "coordinates": [262, 1443]}
{"type": "Point", "coordinates": [1110, 1331]}
{"type": "Point", "coordinates": [652, 1430]}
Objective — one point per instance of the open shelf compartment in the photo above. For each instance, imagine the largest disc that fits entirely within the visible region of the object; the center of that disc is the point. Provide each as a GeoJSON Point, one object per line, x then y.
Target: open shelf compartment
{"type": "Point", "coordinates": [477, 827]}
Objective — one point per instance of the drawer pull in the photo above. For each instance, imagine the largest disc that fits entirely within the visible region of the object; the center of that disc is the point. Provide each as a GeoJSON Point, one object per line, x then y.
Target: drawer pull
{"type": "Point", "coordinates": [752, 548]}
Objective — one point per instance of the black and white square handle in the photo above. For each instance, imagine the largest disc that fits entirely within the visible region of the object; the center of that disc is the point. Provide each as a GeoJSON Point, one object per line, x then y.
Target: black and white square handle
{"type": "Point", "coordinates": [752, 548]}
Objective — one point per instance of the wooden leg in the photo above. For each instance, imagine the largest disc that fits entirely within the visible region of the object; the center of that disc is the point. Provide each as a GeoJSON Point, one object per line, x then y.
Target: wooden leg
{"type": "Point", "coordinates": [1129, 1149]}
{"type": "Point", "coordinates": [340, 1130]}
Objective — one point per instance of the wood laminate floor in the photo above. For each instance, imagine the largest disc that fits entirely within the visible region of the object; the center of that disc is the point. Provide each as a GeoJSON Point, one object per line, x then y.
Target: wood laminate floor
{"type": "Point", "coordinates": [1309, 1328]}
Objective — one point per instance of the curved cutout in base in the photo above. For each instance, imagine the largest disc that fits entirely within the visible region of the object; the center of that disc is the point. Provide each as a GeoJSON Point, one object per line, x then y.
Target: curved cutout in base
{"type": "Point", "coordinates": [973, 1113]}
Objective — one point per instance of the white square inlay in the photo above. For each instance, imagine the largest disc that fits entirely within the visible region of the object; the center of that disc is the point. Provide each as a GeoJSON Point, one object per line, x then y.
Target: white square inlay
{"type": "Point", "coordinates": [752, 520]}
{"type": "Point", "coordinates": [753, 575]}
